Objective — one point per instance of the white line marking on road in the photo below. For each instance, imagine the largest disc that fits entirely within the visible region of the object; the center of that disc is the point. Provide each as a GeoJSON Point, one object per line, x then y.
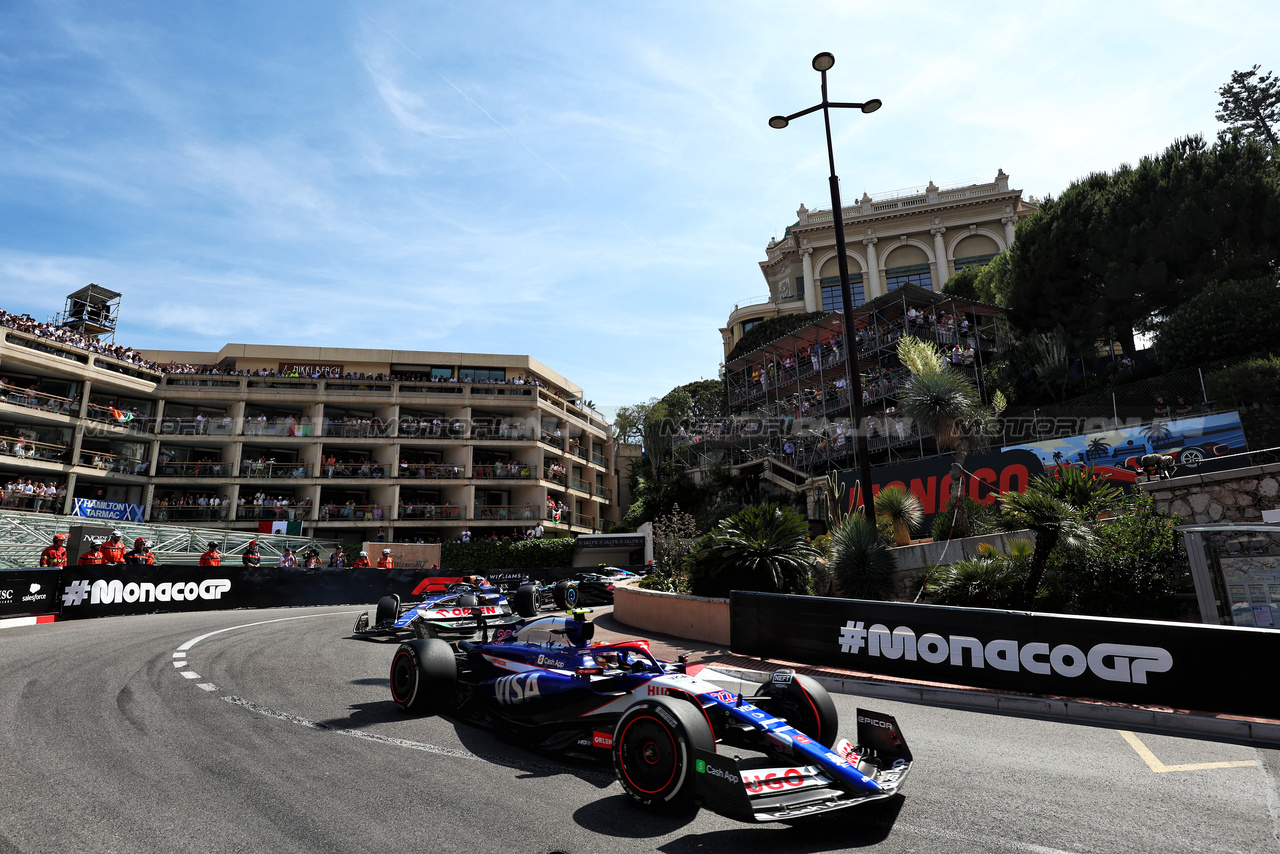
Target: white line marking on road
{"type": "Point", "coordinates": [179, 655]}
{"type": "Point", "coordinates": [197, 640]}
{"type": "Point", "coordinates": [180, 664]}
{"type": "Point", "coordinates": [414, 745]}
{"type": "Point", "coordinates": [1160, 768]}
{"type": "Point", "coordinates": [189, 674]}
{"type": "Point", "coordinates": [208, 686]}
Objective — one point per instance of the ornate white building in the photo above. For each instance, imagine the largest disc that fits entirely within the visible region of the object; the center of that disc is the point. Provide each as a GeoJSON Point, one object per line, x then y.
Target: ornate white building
{"type": "Point", "coordinates": [921, 238]}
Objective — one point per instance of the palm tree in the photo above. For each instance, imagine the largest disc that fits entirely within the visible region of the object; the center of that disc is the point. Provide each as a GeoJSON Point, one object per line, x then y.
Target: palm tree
{"type": "Point", "coordinates": [862, 565]}
{"type": "Point", "coordinates": [1052, 519]}
{"type": "Point", "coordinates": [946, 403]}
{"type": "Point", "coordinates": [767, 548]}
{"type": "Point", "coordinates": [903, 508]}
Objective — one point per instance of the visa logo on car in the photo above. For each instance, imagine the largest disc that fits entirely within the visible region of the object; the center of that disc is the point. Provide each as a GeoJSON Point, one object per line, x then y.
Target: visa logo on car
{"type": "Point", "coordinates": [513, 690]}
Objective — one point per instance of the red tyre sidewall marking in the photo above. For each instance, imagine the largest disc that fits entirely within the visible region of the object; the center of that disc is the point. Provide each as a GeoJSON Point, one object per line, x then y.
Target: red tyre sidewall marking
{"type": "Point", "coordinates": [622, 739]}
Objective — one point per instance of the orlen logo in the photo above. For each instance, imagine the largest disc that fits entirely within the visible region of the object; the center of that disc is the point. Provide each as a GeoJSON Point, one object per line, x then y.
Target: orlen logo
{"type": "Point", "coordinates": [1114, 662]}
{"type": "Point", "coordinates": [602, 739]}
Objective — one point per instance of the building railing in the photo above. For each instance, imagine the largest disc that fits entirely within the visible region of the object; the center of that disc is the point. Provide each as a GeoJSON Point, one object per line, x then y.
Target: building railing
{"type": "Point", "coordinates": [216, 426]}
{"type": "Point", "coordinates": [204, 468]}
{"type": "Point", "coordinates": [278, 428]}
{"type": "Point", "coordinates": [560, 517]}
{"type": "Point", "coordinates": [31, 503]}
{"type": "Point", "coordinates": [268, 511]}
{"type": "Point", "coordinates": [421, 428]}
{"type": "Point", "coordinates": [190, 513]}
{"type": "Point", "coordinates": [503, 470]}
{"type": "Point", "coordinates": [358, 469]}
{"type": "Point", "coordinates": [271, 468]}
{"type": "Point", "coordinates": [604, 492]}
{"type": "Point", "coordinates": [551, 439]}
{"type": "Point", "coordinates": [503, 513]}
{"type": "Point", "coordinates": [39, 400]}
{"type": "Point", "coordinates": [580, 485]}
{"type": "Point", "coordinates": [16, 446]}
{"type": "Point", "coordinates": [584, 521]}
{"type": "Point", "coordinates": [376, 429]}
{"type": "Point", "coordinates": [430, 512]}
{"type": "Point", "coordinates": [500, 432]}
{"type": "Point", "coordinates": [430, 471]}
{"type": "Point", "coordinates": [103, 461]}
{"type": "Point", "coordinates": [599, 460]}
{"type": "Point", "coordinates": [354, 512]}
{"type": "Point", "coordinates": [554, 476]}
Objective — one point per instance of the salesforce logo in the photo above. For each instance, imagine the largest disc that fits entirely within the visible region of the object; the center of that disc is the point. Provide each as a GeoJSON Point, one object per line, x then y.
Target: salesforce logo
{"type": "Point", "coordinates": [1114, 662]}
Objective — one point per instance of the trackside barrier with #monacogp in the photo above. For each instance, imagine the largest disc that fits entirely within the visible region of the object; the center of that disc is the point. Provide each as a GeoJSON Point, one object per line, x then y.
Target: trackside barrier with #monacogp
{"type": "Point", "coordinates": [101, 591]}
{"type": "Point", "coordinates": [1191, 666]}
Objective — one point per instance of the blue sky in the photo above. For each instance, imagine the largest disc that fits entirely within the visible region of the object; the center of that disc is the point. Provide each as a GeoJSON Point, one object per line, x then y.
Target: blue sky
{"type": "Point", "coordinates": [592, 184]}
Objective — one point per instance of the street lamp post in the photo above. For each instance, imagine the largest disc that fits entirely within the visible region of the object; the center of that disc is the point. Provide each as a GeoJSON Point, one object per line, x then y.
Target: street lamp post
{"type": "Point", "coordinates": [822, 63]}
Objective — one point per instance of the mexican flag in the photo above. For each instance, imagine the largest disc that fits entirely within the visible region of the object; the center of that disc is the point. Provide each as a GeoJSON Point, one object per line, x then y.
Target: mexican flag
{"type": "Point", "coordinates": [293, 529]}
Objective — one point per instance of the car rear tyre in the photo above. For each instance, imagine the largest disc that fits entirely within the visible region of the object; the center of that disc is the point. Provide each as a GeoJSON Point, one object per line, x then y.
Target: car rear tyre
{"type": "Point", "coordinates": [804, 704]}
{"type": "Point", "coordinates": [526, 600]}
{"type": "Point", "coordinates": [388, 610]}
{"type": "Point", "coordinates": [557, 594]}
{"type": "Point", "coordinates": [424, 676]}
{"type": "Point", "coordinates": [655, 749]}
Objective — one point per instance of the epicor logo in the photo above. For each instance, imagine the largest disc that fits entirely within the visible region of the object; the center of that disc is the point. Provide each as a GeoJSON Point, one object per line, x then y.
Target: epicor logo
{"type": "Point", "coordinates": [104, 592]}
{"type": "Point", "coordinates": [1114, 662]}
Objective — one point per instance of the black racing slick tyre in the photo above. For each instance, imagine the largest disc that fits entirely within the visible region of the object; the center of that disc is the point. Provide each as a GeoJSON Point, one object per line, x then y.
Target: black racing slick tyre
{"type": "Point", "coordinates": [526, 600]}
{"type": "Point", "coordinates": [424, 676]}
{"type": "Point", "coordinates": [572, 596]}
{"type": "Point", "coordinates": [388, 610]}
{"type": "Point", "coordinates": [803, 703]}
{"type": "Point", "coordinates": [654, 752]}
{"type": "Point", "coordinates": [557, 594]}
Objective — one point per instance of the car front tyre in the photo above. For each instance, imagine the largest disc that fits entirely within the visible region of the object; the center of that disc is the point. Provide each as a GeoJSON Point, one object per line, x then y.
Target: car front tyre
{"type": "Point", "coordinates": [654, 752]}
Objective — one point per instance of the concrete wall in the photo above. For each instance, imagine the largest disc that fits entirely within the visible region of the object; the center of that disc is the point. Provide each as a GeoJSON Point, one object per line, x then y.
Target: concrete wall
{"type": "Point", "coordinates": [1239, 495]}
{"type": "Point", "coordinates": [694, 617]}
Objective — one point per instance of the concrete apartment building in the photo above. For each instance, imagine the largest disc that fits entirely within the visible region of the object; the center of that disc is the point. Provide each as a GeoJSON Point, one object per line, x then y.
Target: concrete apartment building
{"type": "Point", "coordinates": [343, 441]}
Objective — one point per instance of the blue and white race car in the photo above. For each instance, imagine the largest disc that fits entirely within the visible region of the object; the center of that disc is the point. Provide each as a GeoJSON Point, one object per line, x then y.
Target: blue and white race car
{"type": "Point", "coordinates": [545, 683]}
{"type": "Point", "coordinates": [451, 607]}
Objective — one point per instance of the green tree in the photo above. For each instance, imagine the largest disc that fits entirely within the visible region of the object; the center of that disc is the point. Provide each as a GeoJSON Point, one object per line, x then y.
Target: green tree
{"type": "Point", "coordinates": [861, 563]}
{"type": "Point", "coordinates": [1119, 251]}
{"type": "Point", "coordinates": [1056, 508]}
{"type": "Point", "coordinates": [1224, 321]}
{"type": "Point", "coordinates": [1250, 104]}
{"type": "Point", "coordinates": [763, 548]}
{"type": "Point", "coordinates": [945, 402]}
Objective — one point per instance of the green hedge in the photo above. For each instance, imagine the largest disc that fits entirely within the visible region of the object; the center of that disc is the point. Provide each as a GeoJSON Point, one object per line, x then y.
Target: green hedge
{"type": "Point", "coordinates": [526, 554]}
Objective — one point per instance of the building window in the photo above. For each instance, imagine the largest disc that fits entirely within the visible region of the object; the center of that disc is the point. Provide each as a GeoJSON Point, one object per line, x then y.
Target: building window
{"type": "Point", "coordinates": [482, 374]}
{"type": "Point", "coordinates": [974, 261]}
{"type": "Point", "coordinates": [799, 289]}
{"type": "Point", "coordinates": [831, 299]}
{"type": "Point", "coordinates": [920, 275]}
{"type": "Point", "coordinates": [441, 373]}
{"type": "Point", "coordinates": [748, 325]}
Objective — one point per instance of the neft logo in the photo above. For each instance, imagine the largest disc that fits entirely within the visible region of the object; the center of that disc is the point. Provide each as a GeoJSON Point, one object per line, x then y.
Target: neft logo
{"type": "Point", "coordinates": [602, 739]}
{"type": "Point", "coordinates": [1114, 662]}
{"type": "Point", "coordinates": [110, 592]}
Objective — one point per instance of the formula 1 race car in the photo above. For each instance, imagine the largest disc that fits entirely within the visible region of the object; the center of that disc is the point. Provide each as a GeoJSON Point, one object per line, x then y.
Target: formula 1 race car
{"type": "Point", "coordinates": [454, 608]}
{"type": "Point", "coordinates": [586, 588]}
{"type": "Point", "coordinates": [545, 684]}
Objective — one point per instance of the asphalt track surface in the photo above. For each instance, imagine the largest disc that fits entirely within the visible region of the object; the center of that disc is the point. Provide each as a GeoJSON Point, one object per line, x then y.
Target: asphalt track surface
{"type": "Point", "coordinates": [277, 733]}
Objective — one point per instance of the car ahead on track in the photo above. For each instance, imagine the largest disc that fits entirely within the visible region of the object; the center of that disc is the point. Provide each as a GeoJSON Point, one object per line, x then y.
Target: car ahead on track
{"type": "Point", "coordinates": [587, 588]}
{"type": "Point", "coordinates": [451, 608]}
{"type": "Point", "coordinates": [545, 684]}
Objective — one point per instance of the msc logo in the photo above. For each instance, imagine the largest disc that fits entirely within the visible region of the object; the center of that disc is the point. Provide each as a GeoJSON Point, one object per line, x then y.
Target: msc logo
{"type": "Point", "coordinates": [513, 690]}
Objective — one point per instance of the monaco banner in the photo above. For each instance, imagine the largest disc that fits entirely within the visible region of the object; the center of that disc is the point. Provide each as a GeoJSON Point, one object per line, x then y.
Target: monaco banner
{"type": "Point", "coordinates": [1181, 665]}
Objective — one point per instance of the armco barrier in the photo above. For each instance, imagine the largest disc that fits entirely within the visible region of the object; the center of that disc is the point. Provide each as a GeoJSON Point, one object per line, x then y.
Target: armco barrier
{"type": "Point", "coordinates": [1179, 665]}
